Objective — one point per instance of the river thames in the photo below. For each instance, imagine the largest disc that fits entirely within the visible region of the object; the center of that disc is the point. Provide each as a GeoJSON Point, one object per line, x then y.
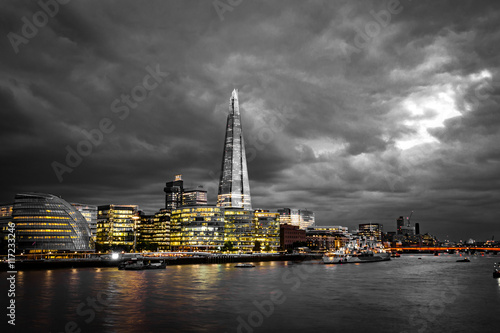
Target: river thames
{"type": "Point", "coordinates": [407, 294]}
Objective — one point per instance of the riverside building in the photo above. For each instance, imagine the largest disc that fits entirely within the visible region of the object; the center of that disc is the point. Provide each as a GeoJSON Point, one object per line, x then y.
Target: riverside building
{"type": "Point", "coordinates": [117, 226]}
{"type": "Point", "coordinates": [47, 223]}
{"type": "Point", "coordinates": [199, 228]}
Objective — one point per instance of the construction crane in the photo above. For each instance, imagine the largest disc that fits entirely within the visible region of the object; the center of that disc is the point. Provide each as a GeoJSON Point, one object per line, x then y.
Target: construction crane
{"type": "Point", "coordinates": [408, 224]}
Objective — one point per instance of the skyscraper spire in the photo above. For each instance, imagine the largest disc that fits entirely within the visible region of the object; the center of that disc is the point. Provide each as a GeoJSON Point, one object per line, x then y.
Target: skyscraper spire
{"type": "Point", "coordinates": [234, 188]}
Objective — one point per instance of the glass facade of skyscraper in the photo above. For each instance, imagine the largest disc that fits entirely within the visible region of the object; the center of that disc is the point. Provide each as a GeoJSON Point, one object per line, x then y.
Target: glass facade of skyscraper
{"type": "Point", "coordinates": [234, 188]}
{"type": "Point", "coordinates": [46, 223]}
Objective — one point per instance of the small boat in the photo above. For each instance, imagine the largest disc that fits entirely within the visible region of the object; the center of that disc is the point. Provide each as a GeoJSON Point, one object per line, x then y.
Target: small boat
{"type": "Point", "coordinates": [463, 260]}
{"type": "Point", "coordinates": [136, 264]}
{"type": "Point", "coordinates": [156, 265]}
{"type": "Point", "coordinates": [244, 265]}
{"type": "Point", "coordinates": [131, 265]}
{"type": "Point", "coordinates": [395, 254]}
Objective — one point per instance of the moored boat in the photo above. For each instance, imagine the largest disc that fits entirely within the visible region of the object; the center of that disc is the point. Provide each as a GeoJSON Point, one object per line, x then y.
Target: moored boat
{"type": "Point", "coordinates": [341, 257]}
{"type": "Point", "coordinates": [463, 260]}
{"type": "Point", "coordinates": [244, 265]}
{"type": "Point", "coordinates": [135, 264]}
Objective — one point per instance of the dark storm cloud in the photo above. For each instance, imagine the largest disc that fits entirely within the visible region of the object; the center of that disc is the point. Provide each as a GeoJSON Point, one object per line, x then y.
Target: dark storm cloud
{"type": "Point", "coordinates": [358, 129]}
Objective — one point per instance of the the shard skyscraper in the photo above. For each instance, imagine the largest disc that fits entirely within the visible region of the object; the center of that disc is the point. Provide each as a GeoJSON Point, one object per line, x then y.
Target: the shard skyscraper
{"type": "Point", "coordinates": [234, 189]}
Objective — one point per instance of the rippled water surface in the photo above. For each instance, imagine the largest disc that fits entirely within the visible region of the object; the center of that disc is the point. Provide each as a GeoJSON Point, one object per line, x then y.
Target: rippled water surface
{"type": "Point", "coordinates": [407, 294]}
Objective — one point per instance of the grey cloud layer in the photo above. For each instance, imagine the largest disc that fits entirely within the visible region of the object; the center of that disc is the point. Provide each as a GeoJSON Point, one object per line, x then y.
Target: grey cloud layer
{"type": "Point", "coordinates": [323, 126]}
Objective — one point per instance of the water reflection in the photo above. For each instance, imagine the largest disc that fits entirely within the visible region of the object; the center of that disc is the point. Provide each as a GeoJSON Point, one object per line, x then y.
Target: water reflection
{"type": "Point", "coordinates": [212, 297]}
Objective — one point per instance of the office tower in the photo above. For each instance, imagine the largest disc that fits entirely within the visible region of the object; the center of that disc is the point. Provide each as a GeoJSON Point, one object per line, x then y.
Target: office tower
{"type": "Point", "coordinates": [285, 215]}
{"type": "Point", "coordinates": [266, 231]}
{"type": "Point", "coordinates": [239, 229]}
{"type": "Point", "coordinates": [400, 222]}
{"type": "Point", "coordinates": [234, 188]}
{"type": "Point", "coordinates": [197, 229]}
{"type": "Point", "coordinates": [173, 193]}
{"type": "Point", "coordinates": [89, 212]}
{"type": "Point", "coordinates": [302, 218]}
{"type": "Point", "coordinates": [404, 228]}
{"type": "Point", "coordinates": [145, 236]}
{"type": "Point", "coordinates": [162, 229]}
{"type": "Point", "coordinates": [306, 218]}
{"type": "Point", "coordinates": [46, 223]}
{"type": "Point", "coordinates": [196, 197]}
{"type": "Point", "coordinates": [417, 228]}
{"type": "Point", "coordinates": [117, 227]}
{"type": "Point", "coordinates": [371, 230]}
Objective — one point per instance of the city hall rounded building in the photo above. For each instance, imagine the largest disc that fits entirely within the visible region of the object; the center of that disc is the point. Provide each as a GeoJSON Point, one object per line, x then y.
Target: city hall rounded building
{"type": "Point", "coordinates": [47, 223]}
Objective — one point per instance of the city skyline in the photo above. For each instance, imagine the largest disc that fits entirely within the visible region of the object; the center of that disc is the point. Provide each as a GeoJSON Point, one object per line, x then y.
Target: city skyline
{"type": "Point", "coordinates": [358, 112]}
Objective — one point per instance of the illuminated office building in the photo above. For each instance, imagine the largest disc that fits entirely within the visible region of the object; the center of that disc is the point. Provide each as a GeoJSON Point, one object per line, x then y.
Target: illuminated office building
{"type": "Point", "coordinates": [162, 229]}
{"type": "Point", "coordinates": [173, 193]}
{"type": "Point", "coordinates": [239, 229]}
{"type": "Point", "coordinates": [117, 226]}
{"type": "Point", "coordinates": [197, 228]}
{"type": "Point", "coordinates": [47, 223]}
{"type": "Point", "coordinates": [327, 237]}
{"type": "Point", "coordinates": [403, 227]}
{"type": "Point", "coordinates": [89, 212]}
{"type": "Point", "coordinates": [306, 218]}
{"type": "Point", "coordinates": [266, 230]}
{"type": "Point", "coordinates": [285, 216]}
{"type": "Point", "coordinates": [177, 196]}
{"type": "Point", "coordinates": [234, 188]}
{"type": "Point", "coordinates": [302, 218]}
{"type": "Point", "coordinates": [146, 232]}
{"type": "Point", "coordinates": [5, 218]}
{"type": "Point", "coordinates": [371, 230]}
{"type": "Point", "coordinates": [196, 197]}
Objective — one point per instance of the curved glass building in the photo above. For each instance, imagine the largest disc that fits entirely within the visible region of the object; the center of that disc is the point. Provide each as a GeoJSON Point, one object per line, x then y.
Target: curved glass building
{"type": "Point", "coordinates": [47, 223]}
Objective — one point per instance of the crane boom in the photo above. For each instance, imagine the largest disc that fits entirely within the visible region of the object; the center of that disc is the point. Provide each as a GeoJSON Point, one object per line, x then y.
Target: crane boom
{"type": "Point", "coordinates": [410, 217]}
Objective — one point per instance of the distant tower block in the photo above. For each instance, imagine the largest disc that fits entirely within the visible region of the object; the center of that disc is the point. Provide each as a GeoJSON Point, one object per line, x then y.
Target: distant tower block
{"type": "Point", "coordinates": [234, 188]}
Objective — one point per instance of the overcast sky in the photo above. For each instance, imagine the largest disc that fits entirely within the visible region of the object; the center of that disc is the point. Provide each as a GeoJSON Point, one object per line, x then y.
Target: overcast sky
{"type": "Point", "coordinates": [360, 111]}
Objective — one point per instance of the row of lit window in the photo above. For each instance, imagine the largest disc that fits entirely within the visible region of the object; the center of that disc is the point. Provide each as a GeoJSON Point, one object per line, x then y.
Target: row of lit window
{"type": "Point", "coordinates": [45, 230]}
{"type": "Point", "coordinates": [43, 217]}
{"type": "Point", "coordinates": [20, 224]}
{"type": "Point", "coordinates": [45, 237]}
